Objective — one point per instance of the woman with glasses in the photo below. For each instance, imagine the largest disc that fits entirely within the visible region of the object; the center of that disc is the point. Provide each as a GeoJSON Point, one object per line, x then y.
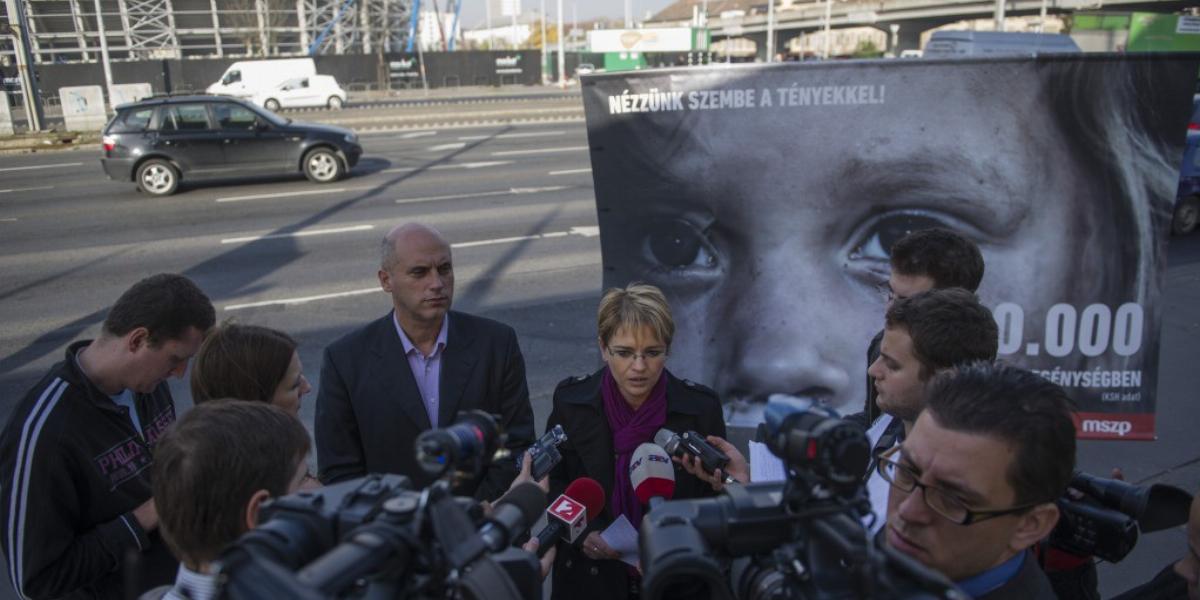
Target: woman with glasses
{"type": "Point", "coordinates": [606, 416]}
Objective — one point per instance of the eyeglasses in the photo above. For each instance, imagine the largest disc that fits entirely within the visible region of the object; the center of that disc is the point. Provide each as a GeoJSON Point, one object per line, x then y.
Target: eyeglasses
{"type": "Point", "coordinates": [940, 501]}
{"type": "Point", "coordinates": [626, 355]}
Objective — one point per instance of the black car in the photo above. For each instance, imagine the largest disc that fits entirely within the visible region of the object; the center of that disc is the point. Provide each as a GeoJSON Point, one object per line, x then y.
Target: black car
{"type": "Point", "coordinates": [159, 141]}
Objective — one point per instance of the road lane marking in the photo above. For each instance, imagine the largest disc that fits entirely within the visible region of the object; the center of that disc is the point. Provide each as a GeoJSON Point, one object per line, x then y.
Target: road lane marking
{"type": "Point", "coordinates": [509, 136]}
{"type": "Point", "coordinates": [53, 166]}
{"type": "Point", "coordinates": [585, 232]}
{"type": "Point", "coordinates": [540, 151]}
{"type": "Point", "coordinates": [470, 165]}
{"type": "Point", "coordinates": [508, 192]}
{"type": "Point", "coordinates": [508, 240]}
{"type": "Point", "coordinates": [296, 234]}
{"type": "Point", "coordinates": [286, 194]}
{"type": "Point", "coordinates": [450, 146]}
{"type": "Point", "coordinates": [569, 172]}
{"type": "Point", "coordinates": [579, 231]}
{"type": "Point", "coordinates": [27, 189]}
{"type": "Point", "coordinates": [590, 231]}
{"type": "Point", "coordinates": [303, 299]}
{"type": "Point", "coordinates": [9, 220]}
{"type": "Point", "coordinates": [417, 134]}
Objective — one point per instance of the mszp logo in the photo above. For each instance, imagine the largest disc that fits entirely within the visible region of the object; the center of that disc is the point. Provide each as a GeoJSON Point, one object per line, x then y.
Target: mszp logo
{"type": "Point", "coordinates": [1120, 428]}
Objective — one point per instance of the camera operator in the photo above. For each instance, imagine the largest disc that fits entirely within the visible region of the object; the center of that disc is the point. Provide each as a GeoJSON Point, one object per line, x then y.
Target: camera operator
{"type": "Point", "coordinates": [925, 334]}
{"type": "Point", "coordinates": [923, 260]}
{"type": "Point", "coordinates": [212, 472]}
{"type": "Point", "coordinates": [974, 484]}
{"type": "Point", "coordinates": [1179, 580]}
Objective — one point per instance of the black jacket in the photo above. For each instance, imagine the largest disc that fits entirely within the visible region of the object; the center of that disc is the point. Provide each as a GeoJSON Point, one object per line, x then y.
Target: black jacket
{"type": "Point", "coordinates": [588, 452]}
{"type": "Point", "coordinates": [1167, 585]}
{"type": "Point", "coordinates": [370, 411]}
{"type": "Point", "coordinates": [72, 469]}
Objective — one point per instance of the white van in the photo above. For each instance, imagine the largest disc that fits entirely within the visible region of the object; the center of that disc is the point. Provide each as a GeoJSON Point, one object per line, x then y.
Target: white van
{"type": "Point", "coordinates": [246, 78]}
{"type": "Point", "coordinates": [955, 44]}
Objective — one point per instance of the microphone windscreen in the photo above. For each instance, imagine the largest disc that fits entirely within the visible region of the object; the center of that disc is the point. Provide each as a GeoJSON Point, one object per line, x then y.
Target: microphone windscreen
{"type": "Point", "coordinates": [528, 498]}
{"type": "Point", "coordinates": [587, 491]}
{"type": "Point", "coordinates": [651, 473]}
{"type": "Point", "coordinates": [663, 437]}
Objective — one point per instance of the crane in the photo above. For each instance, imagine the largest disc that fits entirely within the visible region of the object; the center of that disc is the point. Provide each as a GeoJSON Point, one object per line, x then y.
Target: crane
{"type": "Point", "coordinates": [316, 43]}
{"type": "Point", "coordinates": [414, 21]}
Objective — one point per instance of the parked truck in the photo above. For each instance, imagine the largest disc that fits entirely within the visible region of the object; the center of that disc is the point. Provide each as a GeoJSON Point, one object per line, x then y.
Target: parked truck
{"type": "Point", "coordinates": [248, 78]}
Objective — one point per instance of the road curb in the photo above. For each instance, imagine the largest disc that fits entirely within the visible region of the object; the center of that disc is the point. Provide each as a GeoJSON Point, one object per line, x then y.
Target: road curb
{"type": "Point", "coordinates": [79, 140]}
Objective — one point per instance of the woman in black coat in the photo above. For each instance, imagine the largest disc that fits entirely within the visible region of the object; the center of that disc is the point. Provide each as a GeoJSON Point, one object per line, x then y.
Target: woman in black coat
{"type": "Point", "coordinates": [606, 416]}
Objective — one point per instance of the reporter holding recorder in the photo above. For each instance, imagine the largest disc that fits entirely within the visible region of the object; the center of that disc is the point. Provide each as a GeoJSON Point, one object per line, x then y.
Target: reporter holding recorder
{"type": "Point", "coordinates": [606, 416]}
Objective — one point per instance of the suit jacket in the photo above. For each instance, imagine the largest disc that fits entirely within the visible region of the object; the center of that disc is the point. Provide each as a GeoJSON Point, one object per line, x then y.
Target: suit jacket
{"type": "Point", "coordinates": [370, 411]}
{"type": "Point", "coordinates": [588, 452]}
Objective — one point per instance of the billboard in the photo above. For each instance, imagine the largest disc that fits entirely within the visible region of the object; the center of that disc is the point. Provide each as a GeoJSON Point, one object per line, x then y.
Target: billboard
{"type": "Point", "coordinates": [763, 200]}
{"type": "Point", "coordinates": [664, 39]}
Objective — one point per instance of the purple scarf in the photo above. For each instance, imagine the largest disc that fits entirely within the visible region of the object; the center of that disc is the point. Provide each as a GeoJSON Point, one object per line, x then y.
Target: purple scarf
{"type": "Point", "coordinates": [630, 429]}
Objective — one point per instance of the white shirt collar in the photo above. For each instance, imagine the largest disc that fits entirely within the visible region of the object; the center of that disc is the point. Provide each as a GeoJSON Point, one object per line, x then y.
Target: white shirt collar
{"type": "Point", "coordinates": [409, 346]}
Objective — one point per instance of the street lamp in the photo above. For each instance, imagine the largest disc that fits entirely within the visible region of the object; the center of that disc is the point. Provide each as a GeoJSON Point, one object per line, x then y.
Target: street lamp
{"type": "Point", "coordinates": [545, 47]}
{"type": "Point", "coordinates": [770, 31]}
{"type": "Point", "coordinates": [828, 19]}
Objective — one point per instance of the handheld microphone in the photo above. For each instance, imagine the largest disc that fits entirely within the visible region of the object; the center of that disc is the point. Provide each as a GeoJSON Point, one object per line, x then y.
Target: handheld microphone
{"type": "Point", "coordinates": [567, 516]}
{"type": "Point", "coordinates": [514, 513]}
{"type": "Point", "coordinates": [652, 474]}
{"type": "Point", "coordinates": [690, 442]}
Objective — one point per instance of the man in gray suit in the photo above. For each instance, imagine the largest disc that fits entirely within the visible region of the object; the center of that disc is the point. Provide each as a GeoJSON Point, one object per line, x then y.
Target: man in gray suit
{"type": "Point", "coordinates": [415, 369]}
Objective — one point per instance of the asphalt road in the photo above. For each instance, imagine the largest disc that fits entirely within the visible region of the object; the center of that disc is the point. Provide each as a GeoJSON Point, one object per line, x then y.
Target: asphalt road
{"type": "Point", "coordinates": [515, 200]}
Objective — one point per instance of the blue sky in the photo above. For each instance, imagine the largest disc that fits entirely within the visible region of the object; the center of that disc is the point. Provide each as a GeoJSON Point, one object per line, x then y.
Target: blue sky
{"type": "Point", "coordinates": [473, 13]}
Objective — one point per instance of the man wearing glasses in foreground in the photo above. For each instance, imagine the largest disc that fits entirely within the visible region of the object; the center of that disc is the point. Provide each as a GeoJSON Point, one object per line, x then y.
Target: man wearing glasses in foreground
{"type": "Point", "coordinates": [973, 485]}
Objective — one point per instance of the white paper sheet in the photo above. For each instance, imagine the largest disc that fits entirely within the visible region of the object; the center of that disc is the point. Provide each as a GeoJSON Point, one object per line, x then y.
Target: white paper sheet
{"type": "Point", "coordinates": [622, 537]}
{"type": "Point", "coordinates": [765, 466]}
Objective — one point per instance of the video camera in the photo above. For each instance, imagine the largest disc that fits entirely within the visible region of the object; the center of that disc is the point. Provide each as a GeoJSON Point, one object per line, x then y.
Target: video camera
{"type": "Point", "coordinates": [802, 538]}
{"type": "Point", "coordinates": [375, 537]}
{"type": "Point", "coordinates": [1102, 517]}
{"type": "Point", "coordinates": [544, 454]}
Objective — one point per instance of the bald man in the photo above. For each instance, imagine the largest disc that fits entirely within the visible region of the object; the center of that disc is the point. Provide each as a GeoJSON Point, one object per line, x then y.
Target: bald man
{"type": "Point", "coordinates": [415, 369]}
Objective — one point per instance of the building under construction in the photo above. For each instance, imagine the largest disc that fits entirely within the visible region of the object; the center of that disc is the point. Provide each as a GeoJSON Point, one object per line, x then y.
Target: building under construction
{"type": "Point", "coordinates": [68, 31]}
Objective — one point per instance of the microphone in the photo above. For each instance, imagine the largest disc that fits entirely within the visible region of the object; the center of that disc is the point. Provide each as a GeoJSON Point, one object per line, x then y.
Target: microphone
{"type": "Point", "coordinates": [652, 474]}
{"type": "Point", "coordinates": [690, 442]}
{"type": "Point", "coordinates": [514, 513]}
{"type": "Point", "coordinates": [567, 516]}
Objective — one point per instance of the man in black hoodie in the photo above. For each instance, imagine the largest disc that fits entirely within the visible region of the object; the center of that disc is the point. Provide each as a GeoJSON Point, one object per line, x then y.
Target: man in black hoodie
{"type": "Point", "coordinates": [75, 495]}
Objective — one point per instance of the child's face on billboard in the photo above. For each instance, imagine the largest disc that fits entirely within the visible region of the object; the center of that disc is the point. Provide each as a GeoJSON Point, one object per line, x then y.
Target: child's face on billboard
{"type": "Point", "coordinates": [774, 247]}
